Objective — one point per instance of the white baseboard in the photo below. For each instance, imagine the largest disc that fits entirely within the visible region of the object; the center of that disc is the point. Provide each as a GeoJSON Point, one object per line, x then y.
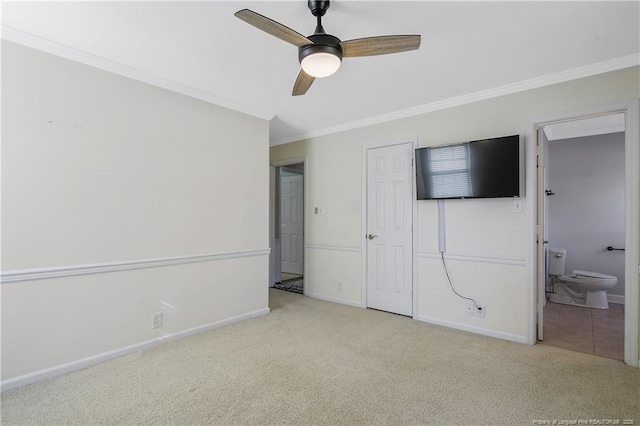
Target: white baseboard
{"type": "Point", "coordinates": [472, 329]}
{"type": "Point", "coordinates": [615, 298]}
{"type": "Point", "coordinates": [449, 324]}
{"type": "Point", "coordinates": [68, 367]}
{"type": "Point", "coordinates": [335, 300]}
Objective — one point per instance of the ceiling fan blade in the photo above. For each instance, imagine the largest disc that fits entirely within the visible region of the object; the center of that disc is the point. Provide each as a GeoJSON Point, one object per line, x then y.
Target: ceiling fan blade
{"type": "Point", "coordinates": [302, 84]}
{"type": "Point", "coordinates": [272, 27]}
{"type": "Point", "coordinates": [382, 45]}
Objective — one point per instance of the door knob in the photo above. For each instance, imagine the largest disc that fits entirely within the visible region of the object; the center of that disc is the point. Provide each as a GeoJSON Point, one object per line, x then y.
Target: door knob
{"type": "Point", "coordinates": [372, 236]}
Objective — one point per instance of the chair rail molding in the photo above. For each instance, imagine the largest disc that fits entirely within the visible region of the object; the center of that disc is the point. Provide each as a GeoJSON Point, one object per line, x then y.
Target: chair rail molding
{"type": "Point", "coordinates": [334, 247]}
{"type": "Point", "coordinates": [7, 277]}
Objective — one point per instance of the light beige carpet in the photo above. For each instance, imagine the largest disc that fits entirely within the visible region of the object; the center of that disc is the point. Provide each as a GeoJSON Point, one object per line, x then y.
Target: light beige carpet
{"type": "Point", "coordinates": [314, 362]}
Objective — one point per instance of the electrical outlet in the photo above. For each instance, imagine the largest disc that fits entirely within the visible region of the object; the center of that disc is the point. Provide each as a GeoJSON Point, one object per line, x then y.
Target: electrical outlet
{"type": "Point", "coordinates": [156, 320]}
{"type": "Point", "coordinates": [339, 286]}
{"type": "Point", "coordinates": [470, 309]}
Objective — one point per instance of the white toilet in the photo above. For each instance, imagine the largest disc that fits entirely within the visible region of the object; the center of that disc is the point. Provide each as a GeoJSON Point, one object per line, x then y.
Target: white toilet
{"type": "Point", "coordinates": [581, 288]}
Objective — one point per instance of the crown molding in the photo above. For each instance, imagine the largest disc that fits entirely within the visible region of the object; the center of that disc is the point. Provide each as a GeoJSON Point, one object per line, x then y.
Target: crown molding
{"type": "Point", "coordinates": [58, 49]}
{"type": "Point", "coordinates": [534, 83]}
{"type": "Point", "coordinates": [67, 52]}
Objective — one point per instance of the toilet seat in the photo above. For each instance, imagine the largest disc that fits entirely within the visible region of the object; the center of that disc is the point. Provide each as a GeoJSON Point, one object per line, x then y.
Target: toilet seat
{"type": "Point", "coordinates": [579, 276]}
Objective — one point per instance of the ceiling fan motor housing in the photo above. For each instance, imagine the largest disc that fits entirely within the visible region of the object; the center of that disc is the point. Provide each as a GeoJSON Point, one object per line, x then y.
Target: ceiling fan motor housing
{"type": "Point", "coordinates": [323, 43]}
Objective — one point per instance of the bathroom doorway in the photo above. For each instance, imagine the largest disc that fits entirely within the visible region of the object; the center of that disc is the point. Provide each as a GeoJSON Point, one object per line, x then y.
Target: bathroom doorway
{"type": "Point", "coordinates": [581, 203]}
{"type": "Point", "coordinates": [584, 215]}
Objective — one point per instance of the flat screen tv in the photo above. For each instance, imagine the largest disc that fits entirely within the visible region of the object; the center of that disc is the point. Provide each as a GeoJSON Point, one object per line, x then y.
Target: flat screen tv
{"type": "Point", "coordinates": [487, 168]}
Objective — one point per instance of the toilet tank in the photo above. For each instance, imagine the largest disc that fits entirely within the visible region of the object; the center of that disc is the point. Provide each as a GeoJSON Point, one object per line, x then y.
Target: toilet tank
{"type": "Point", "coordinates": [556, 261]}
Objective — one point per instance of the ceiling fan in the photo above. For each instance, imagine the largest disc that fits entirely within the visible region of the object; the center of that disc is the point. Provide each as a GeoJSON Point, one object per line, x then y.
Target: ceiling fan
{"type": "Point", "coordinates": [320, 54]}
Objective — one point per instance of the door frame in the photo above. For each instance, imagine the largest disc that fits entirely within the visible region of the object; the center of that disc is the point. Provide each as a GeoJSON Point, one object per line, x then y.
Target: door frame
{"type": "Point", "coordinates": [414, 220]}
{"type": "Point", "coordinates": [272, 195]}
{"type": "Point", "coordinates": [541, 234]}
{"type": "Point", "coordinates": [631, 110]}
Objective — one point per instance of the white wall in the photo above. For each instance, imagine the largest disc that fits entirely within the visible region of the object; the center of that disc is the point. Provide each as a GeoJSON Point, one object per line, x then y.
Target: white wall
{"type": "Point", "coordinates": [487, 242]}
{"type": "Point", "coordinates": [586, 214]}
{"type": "Point", "coordinates": [99, 169]}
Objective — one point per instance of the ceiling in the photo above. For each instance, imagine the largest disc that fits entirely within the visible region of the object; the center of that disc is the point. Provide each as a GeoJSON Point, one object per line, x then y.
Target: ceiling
{"type": "Point", "coordinates": [470, 50]}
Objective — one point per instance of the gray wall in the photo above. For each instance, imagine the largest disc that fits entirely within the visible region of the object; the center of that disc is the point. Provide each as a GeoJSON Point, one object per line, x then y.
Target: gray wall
{"type": "Point", "coordinates": [586, 214]}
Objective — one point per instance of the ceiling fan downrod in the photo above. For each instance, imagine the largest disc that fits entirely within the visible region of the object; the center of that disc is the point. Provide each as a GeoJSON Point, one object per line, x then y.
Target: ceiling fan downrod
{"type": "Point", "coordinates": [318, 8]}
{"type": "Point", "coordinates": [319, 28]}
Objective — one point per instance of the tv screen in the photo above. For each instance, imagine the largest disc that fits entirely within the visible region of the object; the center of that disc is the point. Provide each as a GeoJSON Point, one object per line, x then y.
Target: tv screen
{"type": "Point", "coordinates": [488, 168]}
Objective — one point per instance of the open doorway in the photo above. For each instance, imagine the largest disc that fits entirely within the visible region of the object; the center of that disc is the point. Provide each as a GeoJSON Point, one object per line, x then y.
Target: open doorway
{"type": "Point", "coordinates": [546, 258]}
{"type": "Point", "coordinates": [584, 227]}
{"type": "Point", "coordinates": [287, 241]}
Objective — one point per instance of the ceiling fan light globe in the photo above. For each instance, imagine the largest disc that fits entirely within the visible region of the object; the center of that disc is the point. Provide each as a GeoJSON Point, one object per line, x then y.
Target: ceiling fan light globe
{"type": "Point", "coordinates": [320, 64]}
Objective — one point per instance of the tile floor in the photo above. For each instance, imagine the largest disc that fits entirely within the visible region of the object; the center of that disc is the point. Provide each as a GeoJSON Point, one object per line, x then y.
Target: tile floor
{"type": "Point", "coordinates": [287, 276]}
{"type": "Point", "coordinates": [594, 331]}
